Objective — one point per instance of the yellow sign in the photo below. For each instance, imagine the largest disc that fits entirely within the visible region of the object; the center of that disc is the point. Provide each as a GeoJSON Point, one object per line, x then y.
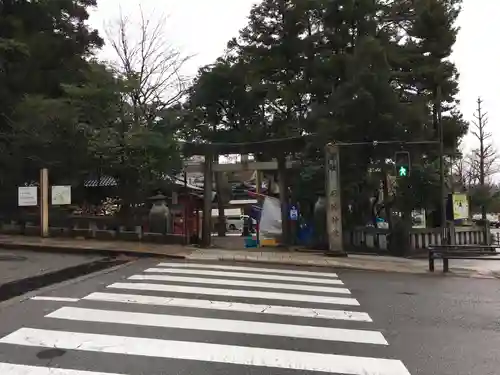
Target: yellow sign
{"type": "Point", "coordinates": [460, 206]}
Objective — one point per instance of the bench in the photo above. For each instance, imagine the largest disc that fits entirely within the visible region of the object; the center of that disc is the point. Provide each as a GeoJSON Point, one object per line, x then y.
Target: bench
{"type": "Point", "coordinates": [446, 252]}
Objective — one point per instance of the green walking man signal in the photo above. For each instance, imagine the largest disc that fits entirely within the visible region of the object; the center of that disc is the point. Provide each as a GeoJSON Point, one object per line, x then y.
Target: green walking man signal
{"type": "Point", "coordinates": [402, 163]}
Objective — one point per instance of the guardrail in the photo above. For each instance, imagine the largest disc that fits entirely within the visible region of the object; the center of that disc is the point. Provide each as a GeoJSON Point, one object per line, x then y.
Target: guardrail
{"type": "Point", "coordinates": [376, 238]}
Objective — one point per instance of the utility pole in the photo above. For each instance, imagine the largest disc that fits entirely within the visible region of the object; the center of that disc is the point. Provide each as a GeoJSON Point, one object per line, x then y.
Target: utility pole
{"type": "Point", "coordinates": [438, 119]}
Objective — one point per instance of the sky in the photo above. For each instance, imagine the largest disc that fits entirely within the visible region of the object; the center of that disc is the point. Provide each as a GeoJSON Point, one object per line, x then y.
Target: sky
{"type": "Point", "coordinates": [201, 28]}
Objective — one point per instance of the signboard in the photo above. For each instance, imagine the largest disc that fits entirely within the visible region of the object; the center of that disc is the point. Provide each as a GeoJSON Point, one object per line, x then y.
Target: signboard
{"type": "Point", "coordinates": [418, 219]}
{"type": "Point", "coordinates": [294, 213]}
{"type": "Point", "coordinates": [460, 206]}
{"type": "Point", "coordinates": [61, 195]}
{"type": "Point", "coordinates": [27, 196]}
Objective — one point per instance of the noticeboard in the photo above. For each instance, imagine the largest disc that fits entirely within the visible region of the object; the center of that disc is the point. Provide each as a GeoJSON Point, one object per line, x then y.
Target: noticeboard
{"type": "Point", "coordinates": [61, 195]}
{"type": "Point", "coordinates": [27, 196]}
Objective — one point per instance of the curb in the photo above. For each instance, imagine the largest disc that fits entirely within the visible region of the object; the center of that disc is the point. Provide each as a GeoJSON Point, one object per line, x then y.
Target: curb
{"type": "Point", "coordinates": [79, 250]}
{"type": "Point", "coordinates": [298, 264]}
{"type": "Point", "coordinates": [350, 267]}
{"type": "Point", "coordinates": [19, 287]}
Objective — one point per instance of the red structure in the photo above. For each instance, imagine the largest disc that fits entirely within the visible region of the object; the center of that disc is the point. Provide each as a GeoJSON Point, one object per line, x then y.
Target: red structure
{"type": "Point", "coordinates": [186, 215]}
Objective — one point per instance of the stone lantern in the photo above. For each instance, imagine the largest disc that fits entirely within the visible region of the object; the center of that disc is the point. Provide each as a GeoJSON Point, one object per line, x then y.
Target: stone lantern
{"type": "Point", "coordinates": [159, 215]}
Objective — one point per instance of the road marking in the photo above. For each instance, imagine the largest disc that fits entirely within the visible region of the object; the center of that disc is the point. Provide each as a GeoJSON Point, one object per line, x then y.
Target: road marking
{"type": "Point", "coordinates": [56, 299]}
{"type": "Point", "coordinates": [245, 283]}
{"type": "Point", "coordinates": [236, 293]}
{"type": "Point", "coordinates": [230, 306]}
{"type": "Point", "coordinates": [254, 269]}
{"type": "Point", "coordinates": [239, 355]}
{"type": "Point", "coordinates": [245, 275]}
{"type": "Point", "coordinates": [11, 369]}
{"type": "Point", "coordinates": [219, 325]}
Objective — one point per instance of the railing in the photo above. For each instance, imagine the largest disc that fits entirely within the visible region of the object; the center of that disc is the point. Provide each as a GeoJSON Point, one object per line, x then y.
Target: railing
{"type": "Point", "coordinates": [91, 227]}
{"type": "Point", "coordinates": [375, 238]}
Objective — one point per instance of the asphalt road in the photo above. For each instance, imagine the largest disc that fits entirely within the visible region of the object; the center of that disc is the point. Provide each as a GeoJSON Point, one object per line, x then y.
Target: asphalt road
{"type": "Point", "coordinates": [192, 319]}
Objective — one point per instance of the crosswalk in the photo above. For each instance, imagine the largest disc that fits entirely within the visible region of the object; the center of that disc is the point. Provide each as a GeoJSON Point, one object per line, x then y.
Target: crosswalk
{"type": "Point", "coordinates": [192, 318]}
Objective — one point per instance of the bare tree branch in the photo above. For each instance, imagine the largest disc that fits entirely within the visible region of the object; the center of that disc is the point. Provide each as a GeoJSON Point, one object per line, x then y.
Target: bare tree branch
{"type": "Point", "coordinates": [150, 65]}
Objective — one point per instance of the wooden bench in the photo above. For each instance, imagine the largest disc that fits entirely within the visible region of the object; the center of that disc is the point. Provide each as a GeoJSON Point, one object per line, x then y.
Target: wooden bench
{"type": "Point", "coordinates": [446, 252]}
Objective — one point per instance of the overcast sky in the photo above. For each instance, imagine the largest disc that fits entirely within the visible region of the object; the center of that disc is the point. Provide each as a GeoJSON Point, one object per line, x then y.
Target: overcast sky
{"type": "Point", "coordinates": [203, 27]}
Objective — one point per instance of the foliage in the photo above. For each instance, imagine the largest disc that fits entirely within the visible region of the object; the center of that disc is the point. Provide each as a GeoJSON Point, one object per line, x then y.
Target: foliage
{"type": "Point", "coordinates": [347, 71]}
{"type": "Point", "coordinates": [60, 108]}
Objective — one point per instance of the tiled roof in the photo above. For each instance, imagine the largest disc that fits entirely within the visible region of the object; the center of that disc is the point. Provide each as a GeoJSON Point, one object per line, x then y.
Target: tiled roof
{"type": "Point", "coordinates": [105, 181]}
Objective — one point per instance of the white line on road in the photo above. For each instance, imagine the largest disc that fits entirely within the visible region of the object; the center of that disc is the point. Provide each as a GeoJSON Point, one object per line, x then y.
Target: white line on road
{"type": "Point", "coordinates": [236, 293]}
{"type": "Point", "coordinates": [244, 275]}
{"type": "Point", "coordinates": [12, 369]}
{"type": "Point", "coordinates": [55, 299]}
{"type": "Point", "coordinates": [249, 356]}
{"type": "Point", "coordinates": [253, 269]}
{"type": "Point", "coordinates": [245, 283]}
{"type": "Point", "coordinates": [219, 325]}
{"type": "Point", "coordinates": [230, 306]}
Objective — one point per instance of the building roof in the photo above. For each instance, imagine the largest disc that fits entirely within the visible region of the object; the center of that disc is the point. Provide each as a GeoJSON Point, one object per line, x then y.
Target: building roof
{"type": "Point", "coordinates": [108, 181]}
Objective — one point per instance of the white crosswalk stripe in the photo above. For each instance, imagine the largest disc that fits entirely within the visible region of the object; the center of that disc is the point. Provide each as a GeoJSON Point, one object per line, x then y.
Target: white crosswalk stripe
{"type": "Point", "coordinates": [230, 306]}
{"type": "Point", "coordinates": [244, 275]}
{"type": "Point", "coordinates": [237, 293]}
{"type": "Point", "coordinates": [251, 269]}
{"type": "Point", "coordinates": [292, 306]}
{"type": "Point", "coordinates": [222, 325]}
{"type": "Point", "coordinates": [244, 283]}
{"type": "Point", "coordinates": [12, 369]}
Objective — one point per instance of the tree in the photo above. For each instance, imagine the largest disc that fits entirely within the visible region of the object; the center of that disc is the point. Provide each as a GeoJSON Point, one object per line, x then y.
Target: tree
{"type": "Point", "coordinates": [475, 170]}
{"type": "Point", "coordinates": [348, 71]}
{"type": "Point", "coordinates": [150, 71]}
{"type": "Point", "coordinates": [484, 158]}
{"type": "Point", "coordinates": [150, 65]}
{"type": "Point", "coordinates": [32, 82]}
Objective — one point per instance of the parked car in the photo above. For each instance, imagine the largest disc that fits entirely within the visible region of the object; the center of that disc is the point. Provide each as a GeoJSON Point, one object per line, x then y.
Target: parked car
{"type": "Point", "coordinates": [236, 223]}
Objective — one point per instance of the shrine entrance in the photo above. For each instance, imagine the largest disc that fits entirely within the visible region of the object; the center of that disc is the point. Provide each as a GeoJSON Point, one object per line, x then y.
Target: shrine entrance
{"type": "Point", "coordinates": [276, 152]}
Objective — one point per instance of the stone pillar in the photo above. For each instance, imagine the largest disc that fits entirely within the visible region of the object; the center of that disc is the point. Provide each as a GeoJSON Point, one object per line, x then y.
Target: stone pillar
{"type": "Point", "coordinates": [207, 203]}
{"type": "Point", "coordinates": [334, 203]}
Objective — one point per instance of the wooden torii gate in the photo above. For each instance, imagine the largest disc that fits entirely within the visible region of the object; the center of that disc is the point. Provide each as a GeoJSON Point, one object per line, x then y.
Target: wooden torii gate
{"type": "Point", "coordinates": [277, 148]}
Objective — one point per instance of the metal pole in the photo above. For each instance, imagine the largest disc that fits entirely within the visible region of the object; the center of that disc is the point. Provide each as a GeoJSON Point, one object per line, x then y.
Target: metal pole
{"type": "Point", "coordinates": [187, 206]}
{"type": "Point", "coordinates": [44, 202]}
{"type": "Point", "coordinates": [444, 231]}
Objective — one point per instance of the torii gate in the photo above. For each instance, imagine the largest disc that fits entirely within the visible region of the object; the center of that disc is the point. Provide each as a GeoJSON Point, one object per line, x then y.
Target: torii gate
{"type": "Point", "coordinates": [276, 147]}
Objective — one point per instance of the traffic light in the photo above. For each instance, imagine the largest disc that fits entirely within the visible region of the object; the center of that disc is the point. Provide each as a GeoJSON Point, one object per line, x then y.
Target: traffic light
{"type": "Point", "coordinates": [402, 163]}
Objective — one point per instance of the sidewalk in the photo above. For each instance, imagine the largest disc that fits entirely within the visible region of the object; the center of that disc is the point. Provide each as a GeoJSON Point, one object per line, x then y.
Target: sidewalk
{"type": "Point", "coordinates": [74, 245]}
{"type": "Point", "coordinates": [469, 268]}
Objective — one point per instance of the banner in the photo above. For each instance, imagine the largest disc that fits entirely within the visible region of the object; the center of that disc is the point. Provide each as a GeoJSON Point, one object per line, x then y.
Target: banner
{"type": "Point", "coordinates": [460, 206]}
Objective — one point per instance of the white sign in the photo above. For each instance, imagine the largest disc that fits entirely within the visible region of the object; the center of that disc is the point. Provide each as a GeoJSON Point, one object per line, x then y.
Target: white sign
{"type": "Point", "coordinates": [61, 195]}
{"type": "Point", "coordinates": [418, 219]}
{"type": "Point", "coordinates": [27, 196]}
{"type": "Point", "coordinates": [294, 213]}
